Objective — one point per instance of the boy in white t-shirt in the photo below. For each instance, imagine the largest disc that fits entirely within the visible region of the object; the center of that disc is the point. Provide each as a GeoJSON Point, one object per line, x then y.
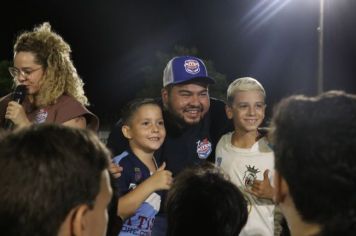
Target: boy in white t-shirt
{"type": "Point", "coordinates": [245, 155]}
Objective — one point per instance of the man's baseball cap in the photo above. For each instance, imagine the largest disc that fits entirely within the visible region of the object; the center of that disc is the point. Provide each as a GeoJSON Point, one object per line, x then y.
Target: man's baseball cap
{"type": "Point", "coordinates": [185, 68]}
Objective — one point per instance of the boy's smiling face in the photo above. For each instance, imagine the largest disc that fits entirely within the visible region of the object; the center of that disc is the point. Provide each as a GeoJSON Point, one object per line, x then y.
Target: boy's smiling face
{"type": "Point", "coordinates": [247, 110]}
{"type": "Point", "coordinates": [146, 130]}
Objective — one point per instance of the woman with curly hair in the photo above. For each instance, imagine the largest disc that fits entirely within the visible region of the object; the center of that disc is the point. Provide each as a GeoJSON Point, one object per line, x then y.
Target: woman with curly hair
{"type": "Point", "coordinates": [54, 90]}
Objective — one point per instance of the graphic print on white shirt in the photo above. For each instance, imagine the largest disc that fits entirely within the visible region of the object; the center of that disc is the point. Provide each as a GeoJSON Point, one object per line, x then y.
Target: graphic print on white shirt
{"type": "Point", "coordinates": [243, 167]}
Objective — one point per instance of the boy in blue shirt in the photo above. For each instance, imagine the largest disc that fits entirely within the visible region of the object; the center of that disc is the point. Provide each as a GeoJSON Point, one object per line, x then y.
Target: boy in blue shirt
{"type": "Point", "coordinates": [138, 203]}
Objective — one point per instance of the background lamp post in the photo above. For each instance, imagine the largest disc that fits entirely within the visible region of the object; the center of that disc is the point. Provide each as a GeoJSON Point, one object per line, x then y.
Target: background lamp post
{"type": "Point", "coordinates": [320, 82]}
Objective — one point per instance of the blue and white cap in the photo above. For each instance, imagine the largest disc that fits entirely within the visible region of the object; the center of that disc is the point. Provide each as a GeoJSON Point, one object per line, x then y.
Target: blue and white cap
{"type": "Point", "coordinates": [185, 68]}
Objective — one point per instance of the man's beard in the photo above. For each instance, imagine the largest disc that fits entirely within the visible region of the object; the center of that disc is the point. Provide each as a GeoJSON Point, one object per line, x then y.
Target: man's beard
{"type": "Point", "coordinates": [178, 118]}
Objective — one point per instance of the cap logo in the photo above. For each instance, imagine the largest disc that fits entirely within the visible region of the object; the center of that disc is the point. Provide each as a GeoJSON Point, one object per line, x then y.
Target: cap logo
{"type": "Point", "coordinates": [192, 66]}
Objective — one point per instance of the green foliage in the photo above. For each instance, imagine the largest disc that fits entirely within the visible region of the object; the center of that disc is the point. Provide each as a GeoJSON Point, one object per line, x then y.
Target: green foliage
{"type": "Point", "coordinates": [152, 74]}
{"type": "Point", "coordinates": [6, 82]}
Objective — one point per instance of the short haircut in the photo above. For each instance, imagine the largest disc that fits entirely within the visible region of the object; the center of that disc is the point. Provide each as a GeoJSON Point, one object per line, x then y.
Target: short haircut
{"type": "Point", "coordinates": [315, 152]}
{"type": "Point", "coordinates": [46, 171]}
{"type": "Point", "coordinates": [130, 109]}
{"type": "Point", "coordinates": [243, 84]}
{"type": "Point", "coordinates": [202, 201]}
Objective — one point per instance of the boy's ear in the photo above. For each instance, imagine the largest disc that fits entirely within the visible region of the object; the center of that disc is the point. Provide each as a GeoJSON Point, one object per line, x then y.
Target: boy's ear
{"type": "Point", "coordinates": [75, 222]}
{"type": "Point", "coordinates": [125, 129]}
{"type": "Point", "coordinates": [80, 223]}
{"type": "Point", "coordinates": [281, 189]}
{"type": "Point", "coordinates": [228, 111]}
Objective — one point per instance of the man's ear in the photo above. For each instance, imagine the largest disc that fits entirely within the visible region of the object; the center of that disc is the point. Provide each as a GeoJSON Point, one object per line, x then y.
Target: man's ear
{"type": "Point", "coordinates": [80, 223]}
{"type": "Point", "coordinates": [228, 111]}
{"type": "Point", "coordinates": [164, 94]}
{"type": "Point", "coordinates": [281, 189]}
{"type": "Point", "coordinates": [125, 129]}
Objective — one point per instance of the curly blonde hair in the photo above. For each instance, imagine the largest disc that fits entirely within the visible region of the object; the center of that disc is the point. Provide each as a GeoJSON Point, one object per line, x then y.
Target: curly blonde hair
{"type": "Point", "coordinates": [53, 53]}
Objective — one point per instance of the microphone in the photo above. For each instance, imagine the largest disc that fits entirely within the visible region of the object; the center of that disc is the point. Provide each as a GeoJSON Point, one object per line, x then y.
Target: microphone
{"type": "Point", "coordinates": [18, 96]}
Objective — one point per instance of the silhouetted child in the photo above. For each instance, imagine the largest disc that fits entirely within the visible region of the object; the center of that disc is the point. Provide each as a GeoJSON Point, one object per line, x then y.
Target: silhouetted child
{"type": "Point", "coordinates": [202, 201]}
{"type": "Point", "coordinates": [315, 167]}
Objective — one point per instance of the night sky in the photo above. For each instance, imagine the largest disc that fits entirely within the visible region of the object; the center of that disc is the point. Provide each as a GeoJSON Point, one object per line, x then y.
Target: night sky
{"type": "Point", "coordinates": [274, 41]}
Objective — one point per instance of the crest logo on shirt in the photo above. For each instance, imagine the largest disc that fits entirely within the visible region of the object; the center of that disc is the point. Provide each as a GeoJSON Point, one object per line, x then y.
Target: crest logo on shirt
{"type": "Point", "coordinates": [203, 148]}
{"type": "Point", "coordinates": [191, 66]}
{"type": "Point", "coordinates": [138, 174]}
{"type": "Point", "coordinates": [250, 175]}
{"type": "Point", "coordinates": [41, 116]}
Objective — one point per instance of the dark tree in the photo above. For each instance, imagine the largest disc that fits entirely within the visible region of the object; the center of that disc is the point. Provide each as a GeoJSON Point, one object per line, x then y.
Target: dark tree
{"type": "Point", "coordinates": [6, 82]}
{"type": "Point", "coordinates": [153, 73]}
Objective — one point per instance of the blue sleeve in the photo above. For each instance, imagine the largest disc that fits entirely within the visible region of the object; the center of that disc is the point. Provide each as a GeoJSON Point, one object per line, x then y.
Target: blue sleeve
{"type": "Point", "coordinates": [121, 184]}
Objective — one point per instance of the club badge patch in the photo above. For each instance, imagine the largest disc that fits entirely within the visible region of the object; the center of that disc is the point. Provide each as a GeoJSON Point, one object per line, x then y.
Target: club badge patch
{"type": "Point", "coordinates": [191, 66]}
{"type": "Point", "coordinates": [41, 116]}
{"type": "Point", "coordinates": [138, 174]}
{"type": "Point", "coordinates": [203, 148]}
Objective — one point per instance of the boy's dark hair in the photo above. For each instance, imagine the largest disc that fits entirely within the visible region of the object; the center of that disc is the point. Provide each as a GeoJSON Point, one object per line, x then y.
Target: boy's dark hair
{"type": "Point", "coordinates": [130, 109]}
{"type": "Point", "coordinates": [203, 202]}
{"type": "Point", "coordinates": [46, 171]}
{"type": "Point", "coordinates": [315, 152]}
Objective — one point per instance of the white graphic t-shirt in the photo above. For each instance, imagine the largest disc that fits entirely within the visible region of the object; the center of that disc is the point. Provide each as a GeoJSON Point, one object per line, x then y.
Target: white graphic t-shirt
{"type": "Point", "coordinates": [244, 166]}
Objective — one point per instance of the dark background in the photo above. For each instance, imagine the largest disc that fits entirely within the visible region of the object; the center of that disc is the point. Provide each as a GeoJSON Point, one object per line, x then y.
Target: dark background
{"type": "Point", "coordinates": [275, 41]}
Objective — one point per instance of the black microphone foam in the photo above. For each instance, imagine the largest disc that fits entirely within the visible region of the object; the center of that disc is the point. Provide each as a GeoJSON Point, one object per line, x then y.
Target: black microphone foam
{"type": "Point", "coordinates": [18, 96]}
{"type": "Point", "coordinates": [19, 93]}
